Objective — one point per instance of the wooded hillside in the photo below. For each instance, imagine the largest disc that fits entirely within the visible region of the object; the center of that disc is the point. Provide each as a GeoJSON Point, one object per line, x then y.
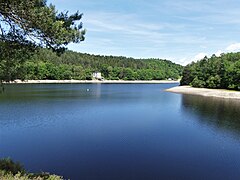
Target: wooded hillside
{"type": "Point", "coordinates": [214, 72]}
{"type": "Point", "coordinates": [72, 65]}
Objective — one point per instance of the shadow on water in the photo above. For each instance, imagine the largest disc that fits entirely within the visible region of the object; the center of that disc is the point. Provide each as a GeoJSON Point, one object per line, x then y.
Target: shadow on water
{"type": "Point", "coordinates": [35, 92]}
{"type": "Point", "coordinates": [219, 113]}
{"type": "Point", "coordinates": [1, 87]}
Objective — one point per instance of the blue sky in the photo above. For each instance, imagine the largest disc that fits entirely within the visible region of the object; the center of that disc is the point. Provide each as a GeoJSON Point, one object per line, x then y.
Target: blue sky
{"type": "Point", "coordinates": [179, 30]}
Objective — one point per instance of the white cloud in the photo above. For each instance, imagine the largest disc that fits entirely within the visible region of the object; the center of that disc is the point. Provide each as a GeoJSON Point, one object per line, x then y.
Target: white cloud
{"type": "Point", "coordinates": [130, 27]}
{"type": "Point", "coordinates": [218, 53]}
{"type": "Point", "coordinates": [183, 61]}
{"type": "Point", "coordinates": [199, 56]}
{"type": "Point", "coordinates": [186, 60]}
{"type": "Point", "coordinates": [233, 47]}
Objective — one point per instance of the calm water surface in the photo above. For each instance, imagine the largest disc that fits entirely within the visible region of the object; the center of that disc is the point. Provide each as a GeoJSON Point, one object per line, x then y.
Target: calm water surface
{"type": "Point", "coordinates": [120, 132]}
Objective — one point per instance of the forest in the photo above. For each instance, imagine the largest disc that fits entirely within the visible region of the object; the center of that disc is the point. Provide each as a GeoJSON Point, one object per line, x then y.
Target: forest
{"type": "Point", "coordinates": [215, 72]}
{"type": "Point", "coordinates": [46, 64]}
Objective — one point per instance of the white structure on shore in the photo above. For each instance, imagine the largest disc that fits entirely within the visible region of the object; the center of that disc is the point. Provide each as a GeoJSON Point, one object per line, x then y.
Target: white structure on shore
{"type": "Point", "coordinates": [97, 75]}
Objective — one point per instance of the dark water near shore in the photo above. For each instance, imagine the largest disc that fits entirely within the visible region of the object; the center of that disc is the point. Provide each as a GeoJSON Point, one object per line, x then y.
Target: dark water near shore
{"type": "Point", "coordinates": [120, 131]}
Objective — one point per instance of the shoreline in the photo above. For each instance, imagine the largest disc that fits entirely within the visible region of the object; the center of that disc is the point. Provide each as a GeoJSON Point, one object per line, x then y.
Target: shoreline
{"type": "Point", "coordinates": [92, 82]}
{"type": "Point", "coordinates": [219, 93]}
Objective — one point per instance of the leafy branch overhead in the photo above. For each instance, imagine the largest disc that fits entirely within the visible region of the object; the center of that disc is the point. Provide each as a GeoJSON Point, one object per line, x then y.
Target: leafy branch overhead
{"type": "Point", "coordinates": [35, 23]}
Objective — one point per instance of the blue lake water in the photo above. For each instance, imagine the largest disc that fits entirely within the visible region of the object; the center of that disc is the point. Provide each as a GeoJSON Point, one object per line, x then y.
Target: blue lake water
{"type": "Point", "coordinates": [120, 132]}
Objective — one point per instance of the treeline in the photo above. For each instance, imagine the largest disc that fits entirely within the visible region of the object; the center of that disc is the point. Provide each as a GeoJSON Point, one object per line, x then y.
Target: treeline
{"type": "Point", "coordinates": [215, 72]}
{"type": "Point", "coordinates": [72, 65]}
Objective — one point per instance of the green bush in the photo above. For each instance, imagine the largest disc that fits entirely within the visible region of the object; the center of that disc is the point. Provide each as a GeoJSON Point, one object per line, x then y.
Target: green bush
{"type": "Point", "coordinates": [10, 170]}
{"type": "Point", "coordinates": [197, 83]}
{"type": "Point", "coordinates": [214, 82]}
{"type": "Point", "coordinates": [9, 166]}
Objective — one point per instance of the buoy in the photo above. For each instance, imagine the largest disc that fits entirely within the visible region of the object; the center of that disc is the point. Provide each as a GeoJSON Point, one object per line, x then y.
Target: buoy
{"type": "Point", "coordinates": [87, 89]}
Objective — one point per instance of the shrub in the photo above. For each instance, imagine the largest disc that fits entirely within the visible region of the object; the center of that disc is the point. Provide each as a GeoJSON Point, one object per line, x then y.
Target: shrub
{"type": "Point", "coordinates": [9, 166]}
{"type": "Point", "coordinates": [10, 170]}
{"type": "Point", "coordinates": [197, 83]}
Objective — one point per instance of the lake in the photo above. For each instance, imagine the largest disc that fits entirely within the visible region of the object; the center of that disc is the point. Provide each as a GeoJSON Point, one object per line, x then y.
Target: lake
{"type": "Point", "coordinates": [119, 132]}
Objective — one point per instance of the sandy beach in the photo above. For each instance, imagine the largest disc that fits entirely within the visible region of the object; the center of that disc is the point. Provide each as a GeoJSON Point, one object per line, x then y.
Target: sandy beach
{"type": "Point", "coordinates": [91, 81]}
{"type": "Point", "coordinates": [220, 93]}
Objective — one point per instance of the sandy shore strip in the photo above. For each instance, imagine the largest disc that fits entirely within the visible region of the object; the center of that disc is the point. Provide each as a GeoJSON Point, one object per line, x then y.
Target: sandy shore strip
{"type": "Point", "coordinates": [221, 93]}
{"type": "Point", "coordinates": [91, 81]}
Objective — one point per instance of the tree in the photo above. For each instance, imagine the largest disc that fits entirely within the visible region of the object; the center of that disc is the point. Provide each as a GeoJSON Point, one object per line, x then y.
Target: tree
{"type": "Point", "coordinates": [25, 26]}
{"type": "Point", "coordinates": [197, 83]}
{"type": "Point", "coordinates": [187, 75]}
{"type": "Point", "coordinates": [215, 72]}
{"type": "Point", "coordinates": [34, 22]}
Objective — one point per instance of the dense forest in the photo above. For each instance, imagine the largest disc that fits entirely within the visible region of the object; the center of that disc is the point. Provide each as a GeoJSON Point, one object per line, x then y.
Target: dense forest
{"type": "Point", "coordinates": [215, 72]}
{"type": "Point", "coordinates": [46, 64]}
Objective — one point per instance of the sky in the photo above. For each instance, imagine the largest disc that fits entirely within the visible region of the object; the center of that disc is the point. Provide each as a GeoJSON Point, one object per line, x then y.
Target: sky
{"type": "Point", "coordinates": [178, 30]}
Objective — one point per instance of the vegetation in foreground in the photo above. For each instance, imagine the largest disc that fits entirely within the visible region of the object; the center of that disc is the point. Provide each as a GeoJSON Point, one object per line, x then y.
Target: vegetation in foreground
{"type": "Point", "coordinates": [10, 170]}
{"type": "Point", "coordinates": [215, 72]}
{"type": "Point", "coordinates": [26, 27]}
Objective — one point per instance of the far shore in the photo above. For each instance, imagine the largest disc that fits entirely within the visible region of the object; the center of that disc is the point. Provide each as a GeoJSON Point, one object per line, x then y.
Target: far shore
{"type": "Point", "coordinates": [220, 93]}
{"type": "Point", "coordinates": [91, 81]}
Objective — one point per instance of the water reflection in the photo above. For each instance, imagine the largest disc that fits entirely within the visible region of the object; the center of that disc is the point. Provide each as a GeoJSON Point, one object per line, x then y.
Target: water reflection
{"type": "Point", "coordinates": [217, 112]}
{"type": "Point", "coordinates": [115, 131]}
{"type": "Point", "coordinates": [36, 92]}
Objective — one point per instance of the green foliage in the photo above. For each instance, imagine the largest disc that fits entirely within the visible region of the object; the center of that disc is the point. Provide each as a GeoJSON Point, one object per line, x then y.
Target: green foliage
{"type": "Point", "coordinates": [213, 82]}
{"type": "Point", "coordinates": [37, 23]}
{"type": "Point", "coordinates": [26, 26]}
{"type": "Point", "coordinates": [187, 75]}
{"type": "Point", "coordinates": [215, 72]}
{"type": "Point", "coordinates": [10, 170]}
{"type": "Point", "coordinates": [11, 167]}
{"type": "Point", "coordinates": [19, 176]}
{"type": "Point", "coordinates": [198, 83]}
{"type": "Point", "coordinates": [72, 65]}
{"type": "Point", "coordinates": [12, 56]}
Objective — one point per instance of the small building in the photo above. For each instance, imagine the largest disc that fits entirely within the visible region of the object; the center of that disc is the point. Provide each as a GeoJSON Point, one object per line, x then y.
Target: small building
{"type": "Point", "coordinates": [97, 75]}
